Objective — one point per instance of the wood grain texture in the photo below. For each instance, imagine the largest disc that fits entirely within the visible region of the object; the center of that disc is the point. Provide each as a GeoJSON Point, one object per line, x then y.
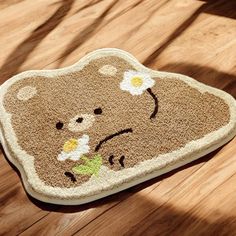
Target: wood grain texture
{"type": "Point", "coordinates": [196, 38]}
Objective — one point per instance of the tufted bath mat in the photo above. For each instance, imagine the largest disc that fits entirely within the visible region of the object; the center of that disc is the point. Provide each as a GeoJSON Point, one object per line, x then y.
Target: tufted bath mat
{"type": "Point", "coordinates": [105, 124]}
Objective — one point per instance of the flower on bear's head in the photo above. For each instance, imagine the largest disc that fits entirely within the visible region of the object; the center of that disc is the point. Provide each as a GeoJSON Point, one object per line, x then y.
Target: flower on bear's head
{"type": "Point", "coordinates": [136, 82]}
{"type": "Point", "coordinates": [73, 149]}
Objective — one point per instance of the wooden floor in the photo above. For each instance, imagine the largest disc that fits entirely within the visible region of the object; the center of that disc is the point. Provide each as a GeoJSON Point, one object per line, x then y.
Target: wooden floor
{"type": "Point", "coordinates": [193, 37]}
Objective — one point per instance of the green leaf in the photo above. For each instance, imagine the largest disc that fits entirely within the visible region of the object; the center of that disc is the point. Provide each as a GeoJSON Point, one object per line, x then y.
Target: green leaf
{"type": "Point", "coordinates": [91, 166]}
{"type": "Point", "coordinates": [82, 169]}
{"type": "Point", "coordinates": [84, 158]}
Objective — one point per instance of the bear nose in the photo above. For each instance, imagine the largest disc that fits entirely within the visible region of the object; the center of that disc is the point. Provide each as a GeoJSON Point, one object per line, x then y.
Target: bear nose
{"type": "Point", "coordinates": [79, 120]}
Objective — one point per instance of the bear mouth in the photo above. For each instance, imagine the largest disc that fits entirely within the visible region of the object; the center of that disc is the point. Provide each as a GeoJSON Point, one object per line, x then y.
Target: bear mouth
{"type": "Point", "coordinates": [129, 130]}
{"type": "Point", "coordinates": [111, 136]}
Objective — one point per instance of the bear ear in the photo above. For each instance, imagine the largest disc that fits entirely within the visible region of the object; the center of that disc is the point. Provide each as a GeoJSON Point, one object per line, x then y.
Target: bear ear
{"type": "Point", "coordinates": [110, 66]}
{"type": "Point", "coordinates": [109, 70]}
{"type": "Point", "coordinates": [25, 93]}
{"type": "Point", "coordinates": [20, 94]}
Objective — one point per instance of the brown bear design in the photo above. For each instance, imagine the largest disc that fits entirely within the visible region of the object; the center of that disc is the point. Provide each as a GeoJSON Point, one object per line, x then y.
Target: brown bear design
{"type": "Point", "coordinates": [51, 113]}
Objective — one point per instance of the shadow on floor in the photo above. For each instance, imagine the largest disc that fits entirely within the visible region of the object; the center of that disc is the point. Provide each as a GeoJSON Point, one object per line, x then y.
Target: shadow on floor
{"type": "Point", "coordinates": [86, 33]}
{"type": "Point", "coordinates": [166, 219]}
{"type": "Point", "coordinates": [22, 51]}
{"type": "Point", "coordinates": [93, 28]}
{"type": "Point", "coordinates": [225, 8]}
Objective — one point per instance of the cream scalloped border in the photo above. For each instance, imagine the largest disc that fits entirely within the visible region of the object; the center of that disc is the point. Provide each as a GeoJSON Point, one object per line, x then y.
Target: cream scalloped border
{"type": "Point", "coordinates": [109, 181]}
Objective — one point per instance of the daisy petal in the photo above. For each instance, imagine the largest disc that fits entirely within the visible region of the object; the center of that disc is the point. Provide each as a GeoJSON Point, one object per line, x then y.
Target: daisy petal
{"type": "Point", "coordinates": [136, 82]}
{"type": "Point", "coordinates": [77, 151]}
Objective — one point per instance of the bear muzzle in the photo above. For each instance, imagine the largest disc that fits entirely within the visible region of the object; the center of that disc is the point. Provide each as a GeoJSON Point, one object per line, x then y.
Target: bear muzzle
{"type": "Point", "coordinates": [81, 122]}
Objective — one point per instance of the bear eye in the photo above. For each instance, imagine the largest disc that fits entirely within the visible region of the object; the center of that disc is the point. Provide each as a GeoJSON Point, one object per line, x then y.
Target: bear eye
{"type": "Point", "coordinates": [98, 111]}
{"type": "Point", "coordinates": [59, 125]}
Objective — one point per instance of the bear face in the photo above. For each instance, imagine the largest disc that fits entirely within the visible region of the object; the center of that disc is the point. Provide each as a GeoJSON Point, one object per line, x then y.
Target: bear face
{"type": "Point", "coordinates": [108, 110]}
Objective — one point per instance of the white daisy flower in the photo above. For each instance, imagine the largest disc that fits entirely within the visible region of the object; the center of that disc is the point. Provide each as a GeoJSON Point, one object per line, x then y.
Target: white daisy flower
{"type": "Point", "coordinates": [136, 82]}
{"type": "Point", "coordinates": [73, 149]}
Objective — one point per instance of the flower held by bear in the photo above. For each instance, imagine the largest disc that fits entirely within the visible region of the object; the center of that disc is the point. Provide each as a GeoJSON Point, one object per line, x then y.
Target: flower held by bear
{"type": "Point", "coordinates": [73, 149]}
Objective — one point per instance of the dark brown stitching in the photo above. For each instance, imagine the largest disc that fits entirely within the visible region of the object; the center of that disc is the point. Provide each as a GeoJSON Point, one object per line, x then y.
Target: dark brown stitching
{"type": "Point", "coordinates": [98, 111]}
{"type": "Point", "coordinates": [111, 160]}
{"type": "Point", "coordinates": [121, 161]}
{"type": "Point", "coordinates": [59, 125]}
{"type": "Point", "coordinates": [153, 115]}
{"type": "Point", "coordinates": [71, 176]}
{"type": "Point", "coordinates": [79, 120]}
{"type": "Point", "coordinates": [124, 131]}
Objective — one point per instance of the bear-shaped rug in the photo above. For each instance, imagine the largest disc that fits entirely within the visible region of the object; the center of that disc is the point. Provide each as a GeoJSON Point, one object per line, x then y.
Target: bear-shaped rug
{"type": "Point", "coordinates": [105, 124]}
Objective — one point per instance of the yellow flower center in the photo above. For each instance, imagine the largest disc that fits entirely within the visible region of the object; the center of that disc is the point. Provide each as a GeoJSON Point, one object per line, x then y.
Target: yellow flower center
{"type": "Point", "coordinates": [136, 81]}
{"type": "Point", "coordinates": [70, 145]}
